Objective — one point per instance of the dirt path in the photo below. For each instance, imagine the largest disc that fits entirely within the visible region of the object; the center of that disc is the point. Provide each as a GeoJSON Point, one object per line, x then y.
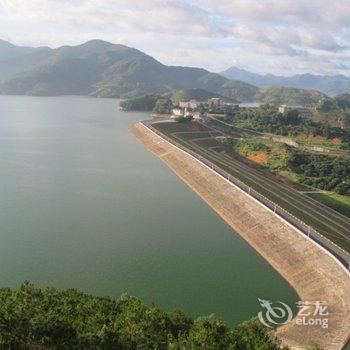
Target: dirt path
{"type": "Point", "coordinates": [311, 271]}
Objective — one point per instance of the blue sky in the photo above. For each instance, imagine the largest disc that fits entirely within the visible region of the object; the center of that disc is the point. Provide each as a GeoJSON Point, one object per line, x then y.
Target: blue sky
{"type": "Point", "coordinates": [265, 36]}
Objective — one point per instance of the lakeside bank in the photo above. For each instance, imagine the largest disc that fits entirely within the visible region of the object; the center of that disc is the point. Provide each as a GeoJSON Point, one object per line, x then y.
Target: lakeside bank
{"type": "Point", "coordinates": [313, 273]}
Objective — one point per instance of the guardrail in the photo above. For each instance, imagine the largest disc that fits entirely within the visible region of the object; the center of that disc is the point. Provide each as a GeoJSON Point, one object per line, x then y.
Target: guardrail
{"type": "Point", "coordinates": [341, 255]}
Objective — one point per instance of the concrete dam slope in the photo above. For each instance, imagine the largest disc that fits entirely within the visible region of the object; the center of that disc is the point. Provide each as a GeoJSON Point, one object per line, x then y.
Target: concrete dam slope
{"type": "Point", "coordinates": [312, 272]}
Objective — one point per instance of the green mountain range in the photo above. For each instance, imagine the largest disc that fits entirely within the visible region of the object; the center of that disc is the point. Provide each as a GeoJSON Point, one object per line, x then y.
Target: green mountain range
{"type": "Point", "coordinates": [103, 69]}
{"type": "Point", "coordinates": [329, 84]}
{"type": "Point", "coordinates": [289, 96]}
{"type": "Point", "coordinates": [98, 68]}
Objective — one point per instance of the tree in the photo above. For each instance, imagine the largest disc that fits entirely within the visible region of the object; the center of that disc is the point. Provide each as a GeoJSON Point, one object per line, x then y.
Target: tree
{"type": "Point", "coordinates": [163, 106]}
{"type": "Point", "coordinates": [32, 318]}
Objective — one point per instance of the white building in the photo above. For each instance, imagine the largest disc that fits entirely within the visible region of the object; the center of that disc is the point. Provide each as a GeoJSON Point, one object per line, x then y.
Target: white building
{"type": "Point", "coordinates": [306, 112]}
{"type": "Point", "coordinates": [192, 104]}
{"type": "Point", "coordinates": [183, 104]}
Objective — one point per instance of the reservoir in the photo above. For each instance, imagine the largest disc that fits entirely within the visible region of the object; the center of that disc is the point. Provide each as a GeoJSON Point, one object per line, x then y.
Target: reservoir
{"type": "Point", "coordinates": [84, 205]}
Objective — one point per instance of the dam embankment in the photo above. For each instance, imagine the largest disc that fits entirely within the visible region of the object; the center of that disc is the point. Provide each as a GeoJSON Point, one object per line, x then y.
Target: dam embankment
{"type": "Point", "coordinates": [311, 271]}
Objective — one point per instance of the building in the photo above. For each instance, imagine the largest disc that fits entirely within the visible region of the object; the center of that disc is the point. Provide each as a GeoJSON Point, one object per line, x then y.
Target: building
{"type": "Point", "coordinates": [191, 104]}
{"type": "Point", "coordinates": [306, 112]}
{"type": "Point", "coordinates": [183, 104]}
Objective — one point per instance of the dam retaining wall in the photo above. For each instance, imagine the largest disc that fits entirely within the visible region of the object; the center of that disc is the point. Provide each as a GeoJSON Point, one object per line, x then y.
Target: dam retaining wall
{"type": "Point", "coordinates": [312, 272]}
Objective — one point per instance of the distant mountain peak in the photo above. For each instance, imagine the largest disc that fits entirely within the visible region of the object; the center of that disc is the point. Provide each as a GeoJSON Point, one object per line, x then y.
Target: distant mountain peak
{"type": "Point", "coordinates": [5, 43]}
{"type": "Point", "coordinates": [9, 51]}
{"type": "Point", "coordinates": [97, 44]}
{"type": "Point", "coordinates": [100, 68]}
{"type": "Point", "coordinates": [329, 84]}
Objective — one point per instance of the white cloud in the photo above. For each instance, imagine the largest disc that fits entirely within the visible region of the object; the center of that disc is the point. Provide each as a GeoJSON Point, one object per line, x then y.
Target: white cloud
{"type": "Point", "coordinates": [296, 32]}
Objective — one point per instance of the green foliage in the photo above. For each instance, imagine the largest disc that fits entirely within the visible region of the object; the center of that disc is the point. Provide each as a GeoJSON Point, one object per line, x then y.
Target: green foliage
{"type": "Point", "coordinates": [99, 68]}
{"type": "Point", "coordinates": [338, 103]}
{"type": "Point", "coordinates": [267, 119]}
{"type": "Point", "coordinates": [163, 106]}
{"type": "Point", "coordinates": [143, 103]}
{"type": "Point", "coordinates": [277, 154]}
{"type": "Point", "coordinates": [182, 119]}
{"type": "Point", "coordinates": [291, 96]}
{"type": "Point", "coordinates": [191, 94]}
{"type": "Point", "coordinates": [102, 69]}
{"type": "Point", "coordinates": [320, 171]}
{"type": "Point", "coordinates": [209, 333]}
{"type": "Point", "coordinates": [155, 103]}
{"type": "Point", "coordinates": [31, 318]}
{"type": "Point", "coordinates": [323, 172]}
{"type": "Point", "coordinates": [344, 116]}
{"type": "Point", "coordinates": [246, 147]}
{"type": "Point", "coordinates": [252, 335]}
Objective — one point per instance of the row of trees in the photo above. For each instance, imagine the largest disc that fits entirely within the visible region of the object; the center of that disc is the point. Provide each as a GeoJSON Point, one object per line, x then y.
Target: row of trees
{"type": "Point", "coordinates": [148, 103]}
{"type": "Point", "coordinates": [31, 318]}
{"type": "Point", "coordinates": [143, 103]}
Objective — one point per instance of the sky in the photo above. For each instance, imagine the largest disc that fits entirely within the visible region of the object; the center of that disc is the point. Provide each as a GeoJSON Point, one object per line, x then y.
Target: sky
{"type": "Point", "coordinates": [265, 36]}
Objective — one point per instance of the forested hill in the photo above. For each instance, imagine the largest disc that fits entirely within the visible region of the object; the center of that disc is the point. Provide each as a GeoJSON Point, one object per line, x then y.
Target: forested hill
{"type": "Point", "coordinates": [31, 318]}
{"type": "Point", "coordinates": [290, 96]}
{"type": "Point", "coordinates": [103, 69]}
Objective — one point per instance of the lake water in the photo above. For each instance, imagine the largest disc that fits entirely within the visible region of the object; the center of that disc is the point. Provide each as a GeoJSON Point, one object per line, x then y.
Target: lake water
{"type": "Point", "coordinates": [84, 205]}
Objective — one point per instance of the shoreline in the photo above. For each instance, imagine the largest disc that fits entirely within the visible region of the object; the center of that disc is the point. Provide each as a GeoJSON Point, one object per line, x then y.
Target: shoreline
{"type": "Point", "coordinates": [313, 276]}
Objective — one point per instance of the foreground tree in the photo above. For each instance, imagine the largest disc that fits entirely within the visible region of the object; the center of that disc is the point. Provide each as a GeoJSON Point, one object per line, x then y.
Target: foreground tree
{"type": "Point", "coordinates": [31, 318]}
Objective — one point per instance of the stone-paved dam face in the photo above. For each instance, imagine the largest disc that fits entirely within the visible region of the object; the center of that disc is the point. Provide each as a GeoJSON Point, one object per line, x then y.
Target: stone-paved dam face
{"type": "Point", "coordinates": [313, 273]}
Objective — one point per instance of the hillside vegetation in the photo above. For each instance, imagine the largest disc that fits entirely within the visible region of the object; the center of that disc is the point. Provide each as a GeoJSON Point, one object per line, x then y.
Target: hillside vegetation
{"type": "Point", "coordinates": [31, 318]}
{"type": "Point", "coordinates": [144, 103]}
{"type": "Point", "coordinates": [291, 96]}
{"type": "Point", "coordinates": [314, 170]}
{"type": "Point", "coordinates": [102, 69]}
{"type": "Point", "coordinates": [267, 119]}
{"type": "Point", "coordinates": [338, 103]}
{"type": "Point", "coordinates": [192, 94]}
{"type": "Point", "coordinates": [163, 103]}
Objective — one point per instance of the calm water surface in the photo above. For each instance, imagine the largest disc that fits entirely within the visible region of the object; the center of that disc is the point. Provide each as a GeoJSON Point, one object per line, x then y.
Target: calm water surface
{"type": "Point", "coordinates": [83, 204]}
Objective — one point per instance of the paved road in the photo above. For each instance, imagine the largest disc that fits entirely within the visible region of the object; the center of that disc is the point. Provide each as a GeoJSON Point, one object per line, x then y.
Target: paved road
{"type": "Point", "coordinates": [334, 222]}
{"type": "Point", "coordinates": [328, 222]}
